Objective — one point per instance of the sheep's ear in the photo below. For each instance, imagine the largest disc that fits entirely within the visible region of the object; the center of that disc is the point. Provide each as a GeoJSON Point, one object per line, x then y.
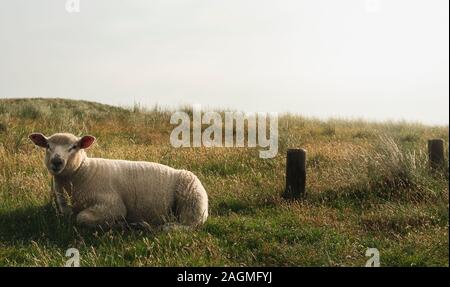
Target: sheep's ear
{"type": "Point", "coordinates": [39, 139]}
{"type": "Point", "coordinates": [86, 141]}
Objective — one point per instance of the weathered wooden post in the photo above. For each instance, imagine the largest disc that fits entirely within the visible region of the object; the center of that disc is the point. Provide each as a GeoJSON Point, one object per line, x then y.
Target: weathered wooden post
{"type": "Point", "coordinates": [436, 153]}
{"type": "Point", "coordinates": [295, 174]}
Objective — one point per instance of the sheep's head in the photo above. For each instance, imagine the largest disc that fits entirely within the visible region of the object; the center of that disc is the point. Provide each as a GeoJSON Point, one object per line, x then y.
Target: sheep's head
{"type": "Point", "coordinates": [64, 152]}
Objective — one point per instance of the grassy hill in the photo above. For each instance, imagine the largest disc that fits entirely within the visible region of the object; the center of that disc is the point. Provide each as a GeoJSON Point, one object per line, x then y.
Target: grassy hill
{"type": "Point", "coordinates": [368, 185]}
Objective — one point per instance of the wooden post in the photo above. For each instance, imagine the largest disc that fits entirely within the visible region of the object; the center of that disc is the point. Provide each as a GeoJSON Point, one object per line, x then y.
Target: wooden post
{"type": "Point", "coordinates": [295, 174]}
{"type": "Point", "coordinates": [436, 153]}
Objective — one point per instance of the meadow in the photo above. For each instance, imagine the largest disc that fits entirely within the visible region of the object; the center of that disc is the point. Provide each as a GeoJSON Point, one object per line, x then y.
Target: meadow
{"type": "Point", "coordinates": [368, 186]}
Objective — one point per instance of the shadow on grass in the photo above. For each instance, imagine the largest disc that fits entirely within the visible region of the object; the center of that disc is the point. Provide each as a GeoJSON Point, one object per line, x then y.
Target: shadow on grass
{"type": "Point", "coordinates": [34, 223]}
{"type": "Point", "coordinates": [41, 224]}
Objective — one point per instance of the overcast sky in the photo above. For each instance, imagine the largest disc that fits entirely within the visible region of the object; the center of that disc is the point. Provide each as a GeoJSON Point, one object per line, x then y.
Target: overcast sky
{"type": "Point", "coordinates": [351, 58]}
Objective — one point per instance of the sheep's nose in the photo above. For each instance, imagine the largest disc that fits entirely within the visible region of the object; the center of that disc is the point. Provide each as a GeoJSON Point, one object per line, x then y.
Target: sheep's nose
{"type": "Point", "coordinates": [57, 161]}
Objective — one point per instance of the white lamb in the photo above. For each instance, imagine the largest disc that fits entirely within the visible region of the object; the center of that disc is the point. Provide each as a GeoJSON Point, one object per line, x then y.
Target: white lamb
{"type": "Point", "coordinates": [104, 191]}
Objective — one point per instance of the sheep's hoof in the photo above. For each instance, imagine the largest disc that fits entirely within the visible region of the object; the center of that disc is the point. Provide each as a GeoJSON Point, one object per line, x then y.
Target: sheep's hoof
{"type": "Point", "coordinates": [86, 219]}
{"type": "Point", "coordinates": [67, 212]}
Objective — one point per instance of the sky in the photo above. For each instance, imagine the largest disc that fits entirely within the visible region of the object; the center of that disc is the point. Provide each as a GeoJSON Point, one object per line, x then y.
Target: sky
{"type": "Point", "coordinates": [372, 59]}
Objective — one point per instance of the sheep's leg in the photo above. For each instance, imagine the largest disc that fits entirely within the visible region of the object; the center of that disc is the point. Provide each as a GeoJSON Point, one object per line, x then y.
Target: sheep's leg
{"type": "Point", "coordinates": [61, 200]}
{"type": "Point", "coordinates": [101, 215]}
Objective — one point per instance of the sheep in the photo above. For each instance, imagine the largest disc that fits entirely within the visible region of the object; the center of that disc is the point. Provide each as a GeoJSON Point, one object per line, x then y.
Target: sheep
{"type": "Point", "coordinates": [104, 192]}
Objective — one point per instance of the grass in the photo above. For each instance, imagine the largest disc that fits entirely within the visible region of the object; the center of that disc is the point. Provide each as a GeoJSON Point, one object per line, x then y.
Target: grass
{"type": "Point", "coordinates": [368, 186]}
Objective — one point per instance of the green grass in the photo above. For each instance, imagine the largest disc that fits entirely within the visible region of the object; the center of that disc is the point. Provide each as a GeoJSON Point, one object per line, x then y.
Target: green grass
{"type": "Point", "coordinates": [368, 185]}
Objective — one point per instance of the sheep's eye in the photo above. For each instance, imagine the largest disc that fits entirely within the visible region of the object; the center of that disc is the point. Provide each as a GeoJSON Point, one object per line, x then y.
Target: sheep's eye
{"type": "Point", "coordinates": [72, 148]}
